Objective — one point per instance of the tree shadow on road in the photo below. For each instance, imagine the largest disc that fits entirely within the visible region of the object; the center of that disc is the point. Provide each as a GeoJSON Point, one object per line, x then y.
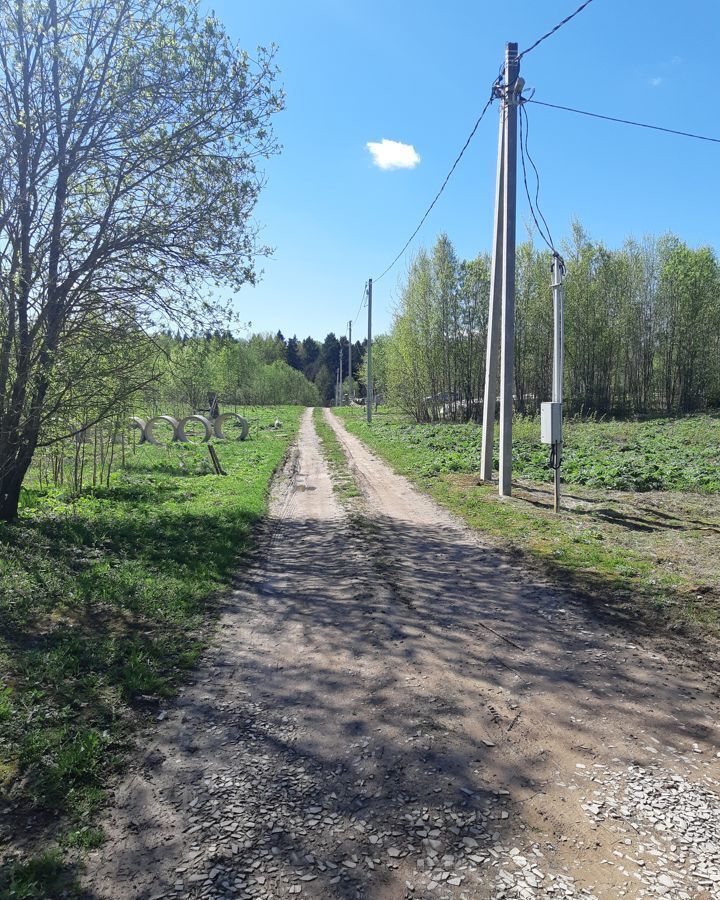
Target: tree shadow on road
{"type": "Point", "coordinates": [400, 680]}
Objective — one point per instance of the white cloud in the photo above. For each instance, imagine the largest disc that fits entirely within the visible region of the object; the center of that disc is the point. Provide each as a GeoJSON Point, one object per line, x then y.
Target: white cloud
{"type": "Point", "coordinates": [657, 81]}
{"type": "Point", "coordinates": [393, 154]}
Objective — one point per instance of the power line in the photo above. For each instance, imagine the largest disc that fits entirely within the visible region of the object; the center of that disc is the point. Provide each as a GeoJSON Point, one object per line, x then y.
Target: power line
{"type": "Point", "coordinates": [362, 304]}
{"type": "Point", "coordinates": [525, 153]}
{"type": "Point", "coordinates": [472, 134]}
{"type": "Point", "coordinates": [556, 28]}
{"type": "Point", "coordinates": [584, 112]}
{"type": "Point", "coordinates": [444, 184]}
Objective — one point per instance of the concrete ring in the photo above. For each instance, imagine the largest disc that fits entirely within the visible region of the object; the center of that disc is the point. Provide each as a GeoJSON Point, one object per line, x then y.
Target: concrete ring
{"type": "Point", "coordinates": [226, 417]}
{"type": "Point", "coordinates": [150, 434]}
{"type": "Point", "coordinates": [182, 436]}
{"type": "Point", "coordinates": [141, 425]}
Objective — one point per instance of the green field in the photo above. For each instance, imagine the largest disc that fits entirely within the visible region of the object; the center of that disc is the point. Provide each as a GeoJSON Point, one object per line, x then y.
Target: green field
{"type": "Point", "coordinates": [640, 524]}
{"type": "Point", "coordinates": [105, 603]}
{"type": "Point", "coordinates": [657, 455]}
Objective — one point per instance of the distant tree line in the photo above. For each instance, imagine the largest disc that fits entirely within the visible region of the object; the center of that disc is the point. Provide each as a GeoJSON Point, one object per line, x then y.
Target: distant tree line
{"type": "Point", "coordinates": [262, 369]}
{"type": "Point", "coordinates": [241, 371]}
{"type": "Point", "coordinates": [319, 361]}
{"type": "Point", "coordinates": [642, 330]}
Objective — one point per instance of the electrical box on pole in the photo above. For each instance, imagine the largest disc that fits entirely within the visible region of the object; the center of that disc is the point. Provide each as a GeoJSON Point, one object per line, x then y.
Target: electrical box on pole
{"type": "Point", "coordinates": [551, 423]}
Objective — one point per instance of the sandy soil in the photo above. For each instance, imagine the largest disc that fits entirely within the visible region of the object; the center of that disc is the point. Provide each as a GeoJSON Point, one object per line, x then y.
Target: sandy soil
{"type": "Point", "coordinates": [392, 709]}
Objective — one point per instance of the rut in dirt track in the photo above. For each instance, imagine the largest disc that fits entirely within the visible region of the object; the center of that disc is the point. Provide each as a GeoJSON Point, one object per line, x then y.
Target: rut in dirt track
{"type": "Point", "coordinates": [392, 709]}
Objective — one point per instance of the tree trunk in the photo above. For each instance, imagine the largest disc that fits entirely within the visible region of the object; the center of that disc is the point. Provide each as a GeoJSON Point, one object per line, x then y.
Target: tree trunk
{"type": "Point", "coordinates": [10, 486]}
{"type": "Point", "coordinates": [18, 446]}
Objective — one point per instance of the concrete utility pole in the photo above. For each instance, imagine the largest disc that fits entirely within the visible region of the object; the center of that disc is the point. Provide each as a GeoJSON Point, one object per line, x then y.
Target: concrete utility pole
{"type": "Point", "coordinates": [350, 380]}
{"type": "Point", "coordinates": [507, 357]}
{"type": "Point", "coordinates": [558, 289]}
{"type": "Point", "coordinates": [340, 375]}
{"type": "Point", "coordinates": [493, 331]}
{"type": "Point", "coordinates": [551, 413]}
{"type": "Point", "coordinates": [369, 355]}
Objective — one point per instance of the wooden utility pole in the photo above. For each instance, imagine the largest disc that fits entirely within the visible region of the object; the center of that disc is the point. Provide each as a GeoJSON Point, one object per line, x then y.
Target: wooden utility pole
{"type": "Point", "coordinates": [369, 354]}
{"type": "Point", "coordinates": [350, 380]}
{"type": "Point", "coordinates": [493, 328]}
{"type": "Point", "coordinates": [507, 356]}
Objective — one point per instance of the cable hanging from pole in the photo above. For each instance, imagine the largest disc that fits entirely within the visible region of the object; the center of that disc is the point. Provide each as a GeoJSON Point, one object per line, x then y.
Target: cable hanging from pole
{"type": "Point", "coordinates": [362, 304]}
{"type": "Point", "coordinates": [556, 28]}
{"type": "Point", "coordinates": [544, 232]}
{"type": "Point", "coordinates": [534, 207]}
{"type": "Point", "coordinates": [593, 115]}
{"type": "Point", "coordinates": [493, 95]}
{"type": "Point", "coordinates": [444, 184]}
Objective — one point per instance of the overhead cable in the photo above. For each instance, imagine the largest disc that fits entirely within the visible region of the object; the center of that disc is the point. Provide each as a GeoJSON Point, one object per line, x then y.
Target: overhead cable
{"type": "Point", "coordinates": [556, 28]}
{"type": "Point", "coordinates": [442, 188]}
{"type": "Point", "coordinates": [544, 232]}
{"type": "Point", "coordinates": [584, 112]}
{"type": "Point", "coordinates": [362, 304]}
{"type": "Point", "coordinates": [472, 133]}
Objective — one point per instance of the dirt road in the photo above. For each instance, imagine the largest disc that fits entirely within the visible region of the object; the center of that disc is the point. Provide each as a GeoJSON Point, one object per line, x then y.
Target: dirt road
{"type": "Point", "coordinates": [393, 710]}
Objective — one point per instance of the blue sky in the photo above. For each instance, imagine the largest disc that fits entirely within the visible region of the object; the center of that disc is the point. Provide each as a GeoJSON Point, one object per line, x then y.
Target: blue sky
{"type": "Point", "coordinates": [419, 73]}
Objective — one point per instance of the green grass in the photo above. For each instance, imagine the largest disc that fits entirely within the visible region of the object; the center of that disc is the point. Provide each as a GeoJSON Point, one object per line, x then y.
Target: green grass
{"type": "Point", "coordinates": [657, 551]}
{"type": "Point", "coordinates": [44, 877]}
{"type": "Point", "coordinates": [105, 601]}
{"type": "Point", "coordinates": [655, 455]}
{"type": "Point", "coordinates": [344, 484]}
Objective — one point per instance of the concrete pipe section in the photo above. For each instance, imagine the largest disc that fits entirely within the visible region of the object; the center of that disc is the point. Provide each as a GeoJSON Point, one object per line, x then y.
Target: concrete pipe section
{"type": "Point", "coordinates": [228, 417]}
{"type": "Point", "coordinates": [156, 420]}
{"type": "Point", "coordinates": [141, 425]}
{"type": "Point", "coordinates": [181, 435]}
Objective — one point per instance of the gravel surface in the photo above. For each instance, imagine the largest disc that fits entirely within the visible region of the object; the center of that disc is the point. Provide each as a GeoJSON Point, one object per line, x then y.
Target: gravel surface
{"type": "Point", "coordinates": [392, 709]}
{"type": "Point", "coordinates": [669, 825]}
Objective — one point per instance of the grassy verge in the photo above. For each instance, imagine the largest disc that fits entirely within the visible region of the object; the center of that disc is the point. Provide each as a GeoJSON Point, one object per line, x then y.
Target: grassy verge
{"type": "Point", "coordinates": [655, 553]}
{"type": "Point", "coordinates": [344, 484]}
{"type": "Point", "coordinates": [105, 600]}
{"type": "Point", "coordinates": [654, 455]}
